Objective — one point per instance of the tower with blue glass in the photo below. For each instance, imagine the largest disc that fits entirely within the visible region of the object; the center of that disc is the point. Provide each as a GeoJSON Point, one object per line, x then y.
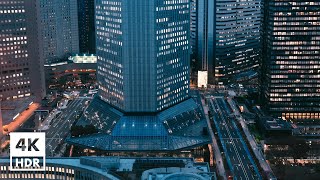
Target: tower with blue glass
{"type": "Point", "coordinates": [144, 98]}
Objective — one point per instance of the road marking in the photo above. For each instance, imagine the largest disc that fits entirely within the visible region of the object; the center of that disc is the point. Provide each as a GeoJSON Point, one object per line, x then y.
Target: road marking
{"type": "Point", "coordinates": [63, 122]}
{"type": "Point", "coordinates": [233, 144]}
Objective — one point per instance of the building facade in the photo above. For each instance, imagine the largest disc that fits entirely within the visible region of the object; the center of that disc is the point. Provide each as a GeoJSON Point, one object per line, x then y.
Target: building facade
{"type": "Point", "coordinates": [291, 67]}
{"type": "Point", "coordinates": [112, 168]}
{"type": "Point", "coordinates": [62, 168]}
{"type": "Point", "coordinates": [229, 38]}
{"type": "Point", "coordinates": [143, 60]}
{"type": "Point", "coordinates": [58, 27]}
{"type": "Point", "coordinates": [22, 73]}
{"type": "Point", "coordinates": [79, 66]}
{"type": "Point", "coordinates": [193, 39]}
{"type": "Point", "coordinates": [87, 36]}
{"type": "Point", "coordinates": [143, 53]}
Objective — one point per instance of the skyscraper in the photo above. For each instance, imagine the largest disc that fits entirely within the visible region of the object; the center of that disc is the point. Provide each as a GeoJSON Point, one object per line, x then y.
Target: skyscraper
{"type": "Point", "coordinates": [193, 38]}
{"type": "Point", "coordinates": [143, 53]}
{"type": "Point", "coordinates": [87, 35]}
{"type": "Point", "coordinates": [58, 28]}
{"type": "Point", "coordinates": [21, 69]}
{"type": "Point", "coordinates": [143, 73]}
{"type": "Point", "coordinates": [229, 38]}
{"type": "Point", "coordinates": [291, 66]}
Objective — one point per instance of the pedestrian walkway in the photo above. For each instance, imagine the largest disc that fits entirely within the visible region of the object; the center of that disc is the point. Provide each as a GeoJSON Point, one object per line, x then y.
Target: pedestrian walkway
{"type": "Point", "coordinates": [217, 154]}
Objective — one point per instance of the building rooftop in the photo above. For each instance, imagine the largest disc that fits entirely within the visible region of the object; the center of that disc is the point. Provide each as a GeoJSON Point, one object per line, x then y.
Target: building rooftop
{"type": "Point", "coordinates": [178, 127]}
{"type": "Point", "coordinates": [12, 108]}
{"type": "Point", "coordinates": [83, 58]}
{"type": "Point", "coordinates": [272, 123]}
{"type": "Point", "coordinates": [113, 167]}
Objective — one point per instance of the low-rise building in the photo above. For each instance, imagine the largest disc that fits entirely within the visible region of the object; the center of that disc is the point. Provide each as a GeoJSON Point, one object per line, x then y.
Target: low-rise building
{"type": "Point", "coordinates": [75, 65]}
{"type": "Point", "coordinates": [112, 168]}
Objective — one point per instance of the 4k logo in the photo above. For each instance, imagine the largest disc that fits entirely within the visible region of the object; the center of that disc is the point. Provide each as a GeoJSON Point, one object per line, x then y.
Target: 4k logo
{"type": "Point", "coordinates": [31, 144]}
{"type": "Point", "coordinates": [27, 151]}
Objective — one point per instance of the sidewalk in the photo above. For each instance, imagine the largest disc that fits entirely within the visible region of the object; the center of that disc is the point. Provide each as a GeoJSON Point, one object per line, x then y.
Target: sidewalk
{"type": "Point", "coordinates": [263, 163]}
{"type": "Point", "coordinates": [217, 154]}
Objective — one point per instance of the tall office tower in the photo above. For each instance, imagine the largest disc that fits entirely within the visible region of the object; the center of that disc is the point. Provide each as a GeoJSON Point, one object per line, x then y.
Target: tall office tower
{"type": "Point", "coordinates": [229, 39]}
{"type": "Point", "coordinates": [143, 53]}
{"type": "Point", "coordinates": [87, 35]}
{"type": "Point", "coordinates": [21, 68]}
{"type": "Point", "coordinates": [58, 25]}
{"type": "Point", "coordinates": [143, 73]}
{"type": "Point", "coordinates": [193, 38]}
{"type": "Point", "coordinates": [291, 67]}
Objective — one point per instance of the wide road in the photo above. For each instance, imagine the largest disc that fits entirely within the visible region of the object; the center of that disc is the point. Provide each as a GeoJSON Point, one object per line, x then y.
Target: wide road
{"type": "Point", "coordinates": [236, 151]}
{"type": "Point", "coordinates": [61, 125]}
{"type": "Point", "coordinates": [257, 152]}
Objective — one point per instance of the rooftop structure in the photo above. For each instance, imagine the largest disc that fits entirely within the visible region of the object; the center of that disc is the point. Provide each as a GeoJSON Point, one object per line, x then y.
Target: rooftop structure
{"type": "Point", "coordinates": [11, 109]}
{"type": "Point", "coordinates": [91, 58]}
{"type": "Point", "coordinates": [272, 126]}
{"type": "Point", "coordinates": [112, 168]}
{"type": "Point", "coordinates": [77, 64]}
{"type": "Point", "coordinates": [178, 127]}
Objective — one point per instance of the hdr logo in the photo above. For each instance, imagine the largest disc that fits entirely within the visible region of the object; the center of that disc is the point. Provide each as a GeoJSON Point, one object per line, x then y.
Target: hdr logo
{"type": "Point", "coordinates": [27, 151]}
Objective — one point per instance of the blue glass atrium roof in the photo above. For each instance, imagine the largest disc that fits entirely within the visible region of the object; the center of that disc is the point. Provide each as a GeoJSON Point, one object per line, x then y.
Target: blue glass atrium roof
{"type": "Point", "coordinates": [178, 127]}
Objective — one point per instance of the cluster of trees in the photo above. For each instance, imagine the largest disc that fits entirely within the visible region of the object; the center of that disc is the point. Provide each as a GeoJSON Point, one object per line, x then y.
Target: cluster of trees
{"type": "Point", "coordinates": [77, 131]}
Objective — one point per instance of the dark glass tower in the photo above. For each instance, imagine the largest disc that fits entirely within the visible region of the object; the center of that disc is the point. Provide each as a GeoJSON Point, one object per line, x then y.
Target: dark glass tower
{"type": "Point", "coordinates": [291, 70]}
{"type": "Point", "coordinates": [87, 34]}
{"type": "Point", "coordinates": [143, 73]}
{"type": "Point", "coordinates": [229, 39]}
{"type": "Point", "coordinates": [193, 38]}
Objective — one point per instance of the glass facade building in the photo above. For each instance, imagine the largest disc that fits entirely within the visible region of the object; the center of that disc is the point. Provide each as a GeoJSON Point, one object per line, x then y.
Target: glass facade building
{"type": "Point", "coordinates": [229, 38]}
{"type": "Point", "coordinates": [143, 53]}
{"type": "Point", "coordinates": [143, 74]}
{"type": "Point", "coordinates": [21, 69]}
{"type": "Point", "coordinates": [193, 40]}
{"type": "Point", "coordinates": [87, 33]}
{"type": "Point", "coordinates": [291, 67]}
{"type": "Point", "coordinates": [58, 27]}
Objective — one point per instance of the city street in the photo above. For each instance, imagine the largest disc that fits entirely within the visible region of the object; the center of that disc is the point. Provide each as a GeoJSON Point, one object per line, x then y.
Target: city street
{"type": "Point", "coordinates": [257, 152]}
{"type": "Point", "coordinates": [215, 148]}
{"type": "Point", "coordinates": [61, 125]}
{"type": "Point", "coordinates": [237, 154]}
